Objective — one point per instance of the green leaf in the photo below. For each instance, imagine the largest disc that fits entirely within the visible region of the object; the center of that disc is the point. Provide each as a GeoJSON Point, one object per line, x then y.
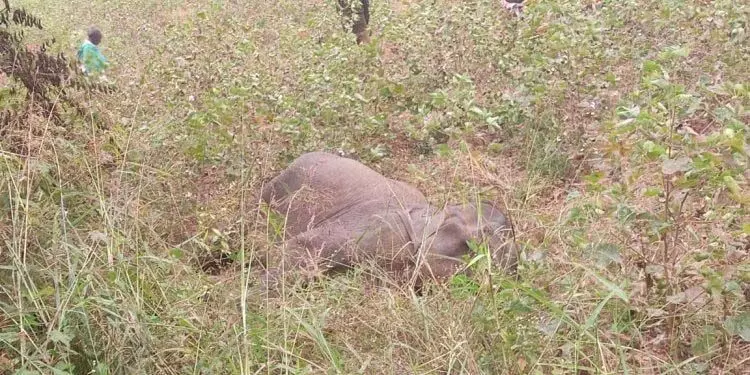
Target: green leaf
{"type": "Point", "coordinates": [628, 113]}
{"type": "Point", "coordinates": [624, 214]}
{"type": "Point", "coordinates": [591, 321]}
{"type": "Point", "coordinates": [101, 369]}
{"type": "Point", "coordinates": [731, 184]}
{"type": "Point", "coordinates": [46, 292]}
{"type": "Point", "coordinates": [672, 166]}
{"type": "Point", "coordinates": [176, 252]}
{"type": "Point", "coordinates": [8, 338]}
{"type": "Point", "coordinates": [701, 256]}
{"type": "Point", "coordinates": [674, 51]}
{"type": "Point", "coordinates": [735, 189]}
{"type": "Point", "coordinates": [594, 177]}
{"type": "Point", "coordinates": [475, 259]}
{"type": "Point", "coordinates": [58, 371]}
{"type": "Point", "coordinates": [739, 325]}
{"type": "Point", "coordinates": [652, 192]}
{"type": "Point", "coordinates": [613, 288]}
{"type": "Point", "coordinates": [477, 111]}
{"type": "Point", "coordinates": [653, 150]}
{"type": "Point", "coordinates": [650, 66]}
{"type": "Point", "coordinates": [705, 343]}
{"type": "Point", "coordinates": [60, 337]}
{"type": "Point", "coordinates": [606, 254]}
{"type": "Point", "coordinates": [379, 152]}
{"type": "Point", "coordinates": [443, 150]}
{"type": "Point", "coordinates": [462, 286]}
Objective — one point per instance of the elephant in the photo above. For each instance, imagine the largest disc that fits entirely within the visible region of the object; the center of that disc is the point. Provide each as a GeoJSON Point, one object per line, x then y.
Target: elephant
{"type": "Point", "coordinates": [340, 214]}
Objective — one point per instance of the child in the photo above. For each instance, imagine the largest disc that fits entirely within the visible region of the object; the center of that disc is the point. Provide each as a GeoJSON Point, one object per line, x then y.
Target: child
{"type": "Point", "coordinates": [91, 59]}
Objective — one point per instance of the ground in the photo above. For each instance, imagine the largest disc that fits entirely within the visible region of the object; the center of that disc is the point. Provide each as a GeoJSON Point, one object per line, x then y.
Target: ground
{"type": "Point", "coordinates": [615, 136]}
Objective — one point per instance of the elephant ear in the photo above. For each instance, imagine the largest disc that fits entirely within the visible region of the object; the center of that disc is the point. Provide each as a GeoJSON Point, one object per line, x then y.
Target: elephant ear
{"type": "Point", "coordinates": [497, 230]}
{"type": "Point", "coordinates": [492, 220]}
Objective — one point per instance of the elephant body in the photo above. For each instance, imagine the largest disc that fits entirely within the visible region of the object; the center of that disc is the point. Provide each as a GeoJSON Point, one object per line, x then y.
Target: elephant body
{"type": "Point", "coordinates": [339, 213]}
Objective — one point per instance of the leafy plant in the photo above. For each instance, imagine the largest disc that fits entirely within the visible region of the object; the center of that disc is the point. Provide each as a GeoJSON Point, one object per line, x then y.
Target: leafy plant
{"type": "Point", "coordinates": [615, 135]}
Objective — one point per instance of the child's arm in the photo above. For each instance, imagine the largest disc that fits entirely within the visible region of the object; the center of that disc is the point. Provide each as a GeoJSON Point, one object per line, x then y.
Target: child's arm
{"type": "Point", "coordinates": [97, 60]}
{"type": "Point", "coordinates": [103, 59]}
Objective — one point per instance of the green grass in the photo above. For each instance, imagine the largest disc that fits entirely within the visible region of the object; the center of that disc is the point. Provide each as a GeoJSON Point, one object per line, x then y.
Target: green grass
{"type": "Point", "coordinates": [617, 138]}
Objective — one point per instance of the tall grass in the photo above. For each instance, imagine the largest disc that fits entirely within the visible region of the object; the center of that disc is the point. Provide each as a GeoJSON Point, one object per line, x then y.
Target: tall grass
{"type": "Point", "coordinates": [616, 137]}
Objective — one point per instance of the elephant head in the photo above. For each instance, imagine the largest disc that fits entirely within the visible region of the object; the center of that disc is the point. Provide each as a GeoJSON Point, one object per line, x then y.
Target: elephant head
{"type": "Point", "coordinates": [447, 238]}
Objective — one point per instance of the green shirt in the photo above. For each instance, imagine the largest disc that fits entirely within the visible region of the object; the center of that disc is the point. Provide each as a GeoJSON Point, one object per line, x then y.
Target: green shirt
{"type": "Point", "coordinates": [93, 61]}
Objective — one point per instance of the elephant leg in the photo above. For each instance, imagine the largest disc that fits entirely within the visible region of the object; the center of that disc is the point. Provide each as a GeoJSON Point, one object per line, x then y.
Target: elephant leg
{"type": "Point", "coordinates": [434, 270]}
{"type": "Point", "coordinates": [308, 256]}
{"type": "Point", "coordinates": [439, 269]}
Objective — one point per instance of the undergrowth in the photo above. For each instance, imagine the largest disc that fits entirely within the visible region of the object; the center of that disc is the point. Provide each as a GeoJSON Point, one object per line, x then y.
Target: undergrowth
{"type": "Point", "coordinates": [616, 136]}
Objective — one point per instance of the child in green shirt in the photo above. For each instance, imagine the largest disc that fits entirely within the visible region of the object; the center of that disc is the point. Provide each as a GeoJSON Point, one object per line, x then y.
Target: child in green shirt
{"type": "Point", "coordinates": [91, 59]}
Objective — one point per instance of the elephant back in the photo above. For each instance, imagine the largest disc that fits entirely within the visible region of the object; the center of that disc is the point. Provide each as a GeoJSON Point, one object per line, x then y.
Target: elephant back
{"type": "Point", "coordinates": [320, 187]}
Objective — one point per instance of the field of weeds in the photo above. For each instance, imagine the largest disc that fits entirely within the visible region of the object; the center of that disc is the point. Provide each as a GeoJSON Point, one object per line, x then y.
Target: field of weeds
{"type": "Point", "coordinates": [615, 134]}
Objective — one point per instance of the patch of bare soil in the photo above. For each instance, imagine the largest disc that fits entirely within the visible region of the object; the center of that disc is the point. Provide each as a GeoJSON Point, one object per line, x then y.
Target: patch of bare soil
{"type": "Point", "coordinates": [400, 7]}
{"type": "Point", "coordinates": [700, 124]}
{"type": "Point", "coordinates": [5, 363]}
{"type": "Point", "coordinates": [736, 360]}
{"type": "Point", "coordinates": [181, 14]}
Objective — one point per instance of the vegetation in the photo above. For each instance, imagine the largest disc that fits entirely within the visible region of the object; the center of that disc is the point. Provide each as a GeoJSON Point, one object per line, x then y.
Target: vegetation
{"type": "Point", "coordinates": [616, 136]}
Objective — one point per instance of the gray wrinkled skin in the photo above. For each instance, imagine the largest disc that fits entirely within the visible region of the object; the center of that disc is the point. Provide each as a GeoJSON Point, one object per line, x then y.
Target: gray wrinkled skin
{"type": "Point", "coordinates": [340, 213]}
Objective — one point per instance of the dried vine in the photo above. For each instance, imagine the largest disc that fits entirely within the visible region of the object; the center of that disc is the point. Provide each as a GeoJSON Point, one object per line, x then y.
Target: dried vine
{"type": "Point", "coordinates": [46, 77]}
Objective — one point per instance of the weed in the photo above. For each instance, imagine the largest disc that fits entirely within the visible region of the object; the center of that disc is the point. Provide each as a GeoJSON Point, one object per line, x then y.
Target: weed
{"type": "Point", "coordinates": [616, 136]}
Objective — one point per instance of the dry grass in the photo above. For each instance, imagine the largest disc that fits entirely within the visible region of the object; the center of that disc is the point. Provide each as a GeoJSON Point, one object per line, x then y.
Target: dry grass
{"type": "Point", "coordinates": [105, 225]}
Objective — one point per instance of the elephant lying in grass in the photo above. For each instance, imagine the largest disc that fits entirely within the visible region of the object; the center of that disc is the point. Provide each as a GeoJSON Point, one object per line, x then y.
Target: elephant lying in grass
{"type": "Point", "coordinates": [340, 214]}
